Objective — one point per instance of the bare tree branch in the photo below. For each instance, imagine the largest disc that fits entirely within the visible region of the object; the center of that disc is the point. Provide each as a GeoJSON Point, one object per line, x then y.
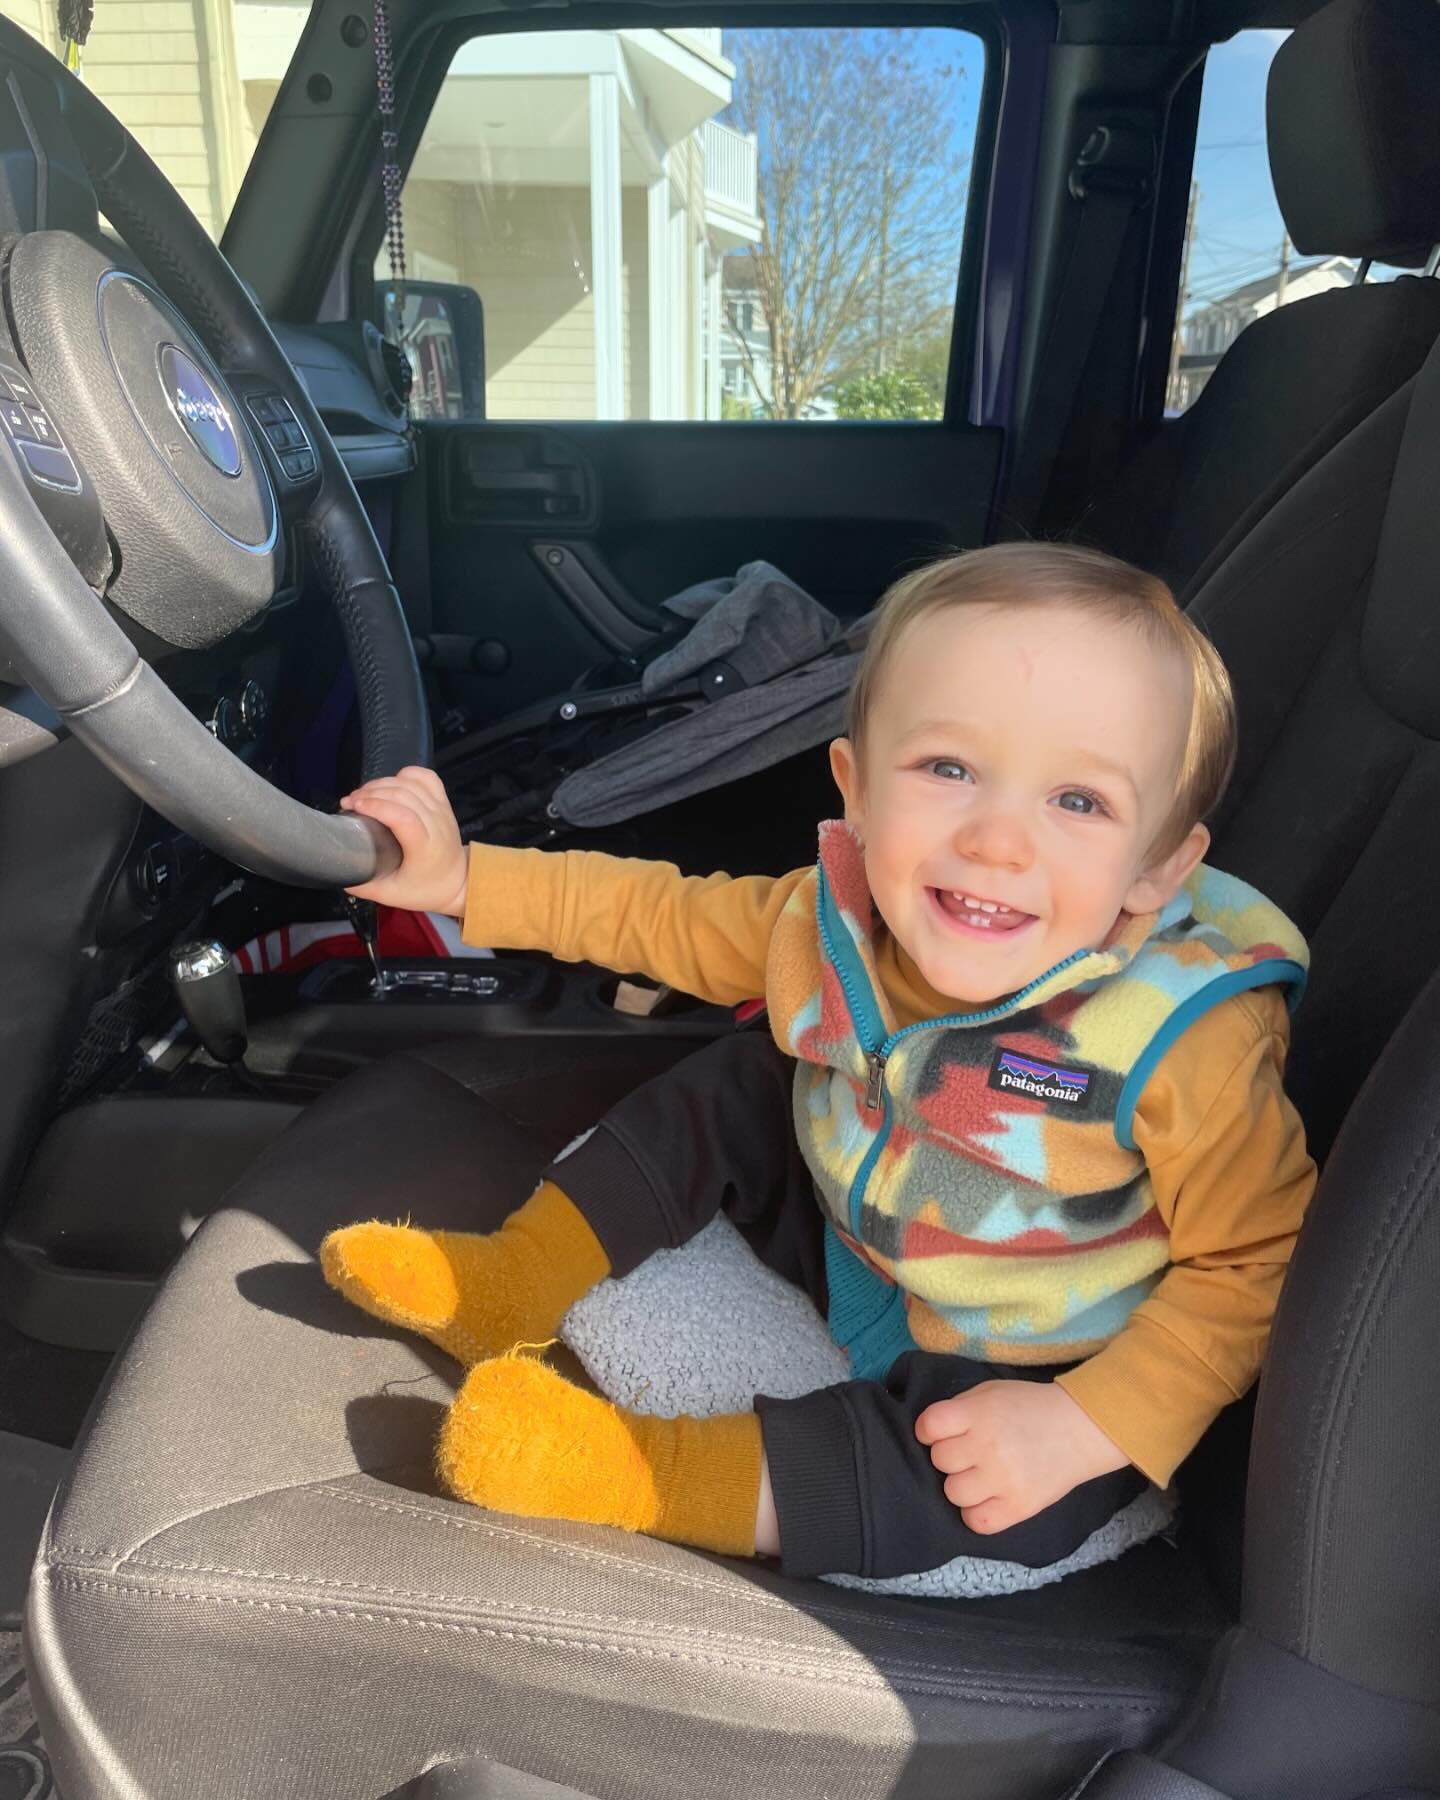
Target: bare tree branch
{"type": "Point", "coordinates": [861, 201]}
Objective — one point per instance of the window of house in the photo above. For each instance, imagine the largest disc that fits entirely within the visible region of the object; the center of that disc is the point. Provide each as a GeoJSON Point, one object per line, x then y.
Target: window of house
{"type": "Point", "coordinates": [697, 224]}
{"type": "Point", "coordinates": [1238, 262]}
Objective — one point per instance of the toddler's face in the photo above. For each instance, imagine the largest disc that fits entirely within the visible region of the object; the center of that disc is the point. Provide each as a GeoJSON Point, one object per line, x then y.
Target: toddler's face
{"type": "Point", "coordinates": [1017, 766]}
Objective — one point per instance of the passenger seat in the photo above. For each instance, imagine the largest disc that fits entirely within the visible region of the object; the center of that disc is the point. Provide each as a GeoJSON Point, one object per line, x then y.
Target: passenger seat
{"type": "Point", "coordinates": [1353, 124]}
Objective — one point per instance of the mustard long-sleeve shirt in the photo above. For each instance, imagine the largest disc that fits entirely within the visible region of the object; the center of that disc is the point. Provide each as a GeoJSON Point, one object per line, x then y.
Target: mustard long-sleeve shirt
{"type": "Point", "coordinates": [1224, 1147]}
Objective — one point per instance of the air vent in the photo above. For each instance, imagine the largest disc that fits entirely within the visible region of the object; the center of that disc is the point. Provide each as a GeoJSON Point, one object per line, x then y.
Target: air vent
{"type": "Point", "coordinates": [398, 372]}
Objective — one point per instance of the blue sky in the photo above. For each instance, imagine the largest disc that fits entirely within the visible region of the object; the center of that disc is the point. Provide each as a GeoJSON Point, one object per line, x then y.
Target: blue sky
{"type": "Point", "coordinates": [1238, 225]}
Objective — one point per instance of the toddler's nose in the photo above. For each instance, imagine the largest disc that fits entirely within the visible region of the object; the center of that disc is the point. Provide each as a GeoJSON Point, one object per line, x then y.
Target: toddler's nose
{"type": "Point", "coordinates": [996, 838]}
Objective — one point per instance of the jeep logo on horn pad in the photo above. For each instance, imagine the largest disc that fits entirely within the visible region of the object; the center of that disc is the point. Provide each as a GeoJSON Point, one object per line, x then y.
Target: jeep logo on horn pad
{"type": "Point", "coordinates": [200, 409]}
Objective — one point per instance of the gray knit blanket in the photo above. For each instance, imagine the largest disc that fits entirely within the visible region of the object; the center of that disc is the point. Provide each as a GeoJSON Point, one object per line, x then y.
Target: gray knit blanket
{"type": "Point", "coordinates": [649, 1342]}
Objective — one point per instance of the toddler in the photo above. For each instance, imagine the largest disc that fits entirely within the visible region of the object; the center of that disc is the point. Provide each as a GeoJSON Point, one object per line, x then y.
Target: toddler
{"type": "Point", "coordinates": [1021, 1131]}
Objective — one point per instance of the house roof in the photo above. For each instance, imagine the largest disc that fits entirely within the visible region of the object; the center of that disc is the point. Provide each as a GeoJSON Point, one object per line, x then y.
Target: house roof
{"type": "Point", "coordinates": [1267, 284]}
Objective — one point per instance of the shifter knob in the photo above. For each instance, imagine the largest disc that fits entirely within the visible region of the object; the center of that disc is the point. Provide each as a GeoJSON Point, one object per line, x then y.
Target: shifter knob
{"type": "Point", "coordinates": [207, 985]}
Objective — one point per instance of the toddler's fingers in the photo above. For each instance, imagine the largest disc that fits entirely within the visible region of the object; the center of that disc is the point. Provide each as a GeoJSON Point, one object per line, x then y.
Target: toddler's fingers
{"type": "Point", "coordinates": [420, 786]}
{"type": "Point", "coordinates": [945, 1418]}
{"type": "Point", "coordinates": [952, 1456]}
{"type": "Point", "coordinates": [990, 1516]}
{"type": "Point", "coordinates": [425, 778]}
{"type": "Point", "coordinates": [401, 818]}
{"type": "Point", "coordinates": [391, 787]}
{"type": "Point", "coordinates": [970, 1489]}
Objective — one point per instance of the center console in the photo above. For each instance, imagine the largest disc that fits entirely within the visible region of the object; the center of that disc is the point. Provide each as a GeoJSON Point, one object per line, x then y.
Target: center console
{"type": "Point", "coordinates": [327, 1021]}
{"type": "Point", "coordinates": [119, 1183]}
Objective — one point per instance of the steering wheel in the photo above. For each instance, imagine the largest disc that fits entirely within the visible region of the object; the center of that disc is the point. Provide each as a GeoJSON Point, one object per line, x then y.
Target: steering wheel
{"type": "Point", "coordinates": [157, 451]}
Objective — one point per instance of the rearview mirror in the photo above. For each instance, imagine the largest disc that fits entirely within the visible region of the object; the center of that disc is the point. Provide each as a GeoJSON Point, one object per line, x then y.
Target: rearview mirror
{"type": "Point", "coordinates": [440, 327]}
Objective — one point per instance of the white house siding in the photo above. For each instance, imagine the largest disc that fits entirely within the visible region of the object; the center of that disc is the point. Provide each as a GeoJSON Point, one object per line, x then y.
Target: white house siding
{"type": "Point", "coordinates": [516, 250]}
{"type": "Point", "coordinates": [35, 16]}
{"type": "Point", "coordinates": [519, 251]}
{"type": "Point", "coordinates": [168, 69]}
{"type": "Point", "coordinates": [635, 276]}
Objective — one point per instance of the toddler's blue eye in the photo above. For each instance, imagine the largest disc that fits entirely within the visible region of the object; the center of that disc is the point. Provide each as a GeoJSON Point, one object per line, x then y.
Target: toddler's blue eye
{"type": "Point", "coordinates": [949, 771]}
{"type": "Point", "coordinates": [1076, 800]}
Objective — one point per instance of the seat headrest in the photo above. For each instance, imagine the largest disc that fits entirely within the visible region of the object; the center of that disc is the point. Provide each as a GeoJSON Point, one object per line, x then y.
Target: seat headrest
{"type": "Point", "coordinates": [1353, 122]}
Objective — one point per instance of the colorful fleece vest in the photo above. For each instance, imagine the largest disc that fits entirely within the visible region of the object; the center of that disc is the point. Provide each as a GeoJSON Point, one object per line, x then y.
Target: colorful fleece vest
{"type": "Point", "coordinates": [982, 1165]}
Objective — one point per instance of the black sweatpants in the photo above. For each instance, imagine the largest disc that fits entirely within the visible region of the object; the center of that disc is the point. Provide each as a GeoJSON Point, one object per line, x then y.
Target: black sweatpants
{"type": "Point", "coordinates": [855, 1491]}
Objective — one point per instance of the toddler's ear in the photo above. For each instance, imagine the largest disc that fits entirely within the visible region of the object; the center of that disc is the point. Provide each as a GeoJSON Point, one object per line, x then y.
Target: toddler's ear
{"type": "Point", "coordinates": [845, 767]}
{"type": "Point", "coordinates": [1160, 884]}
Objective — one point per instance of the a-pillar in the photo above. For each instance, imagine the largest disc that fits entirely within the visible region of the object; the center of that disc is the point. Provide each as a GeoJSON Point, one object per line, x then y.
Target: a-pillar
{"type": "Point", "coordinates": [605, 252]}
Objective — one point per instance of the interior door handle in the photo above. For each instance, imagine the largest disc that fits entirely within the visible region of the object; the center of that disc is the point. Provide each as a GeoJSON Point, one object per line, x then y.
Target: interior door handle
{"type": "Point", "coordinates": [504, 475]}
{"type": "Point", "coordinates": [528, 481]}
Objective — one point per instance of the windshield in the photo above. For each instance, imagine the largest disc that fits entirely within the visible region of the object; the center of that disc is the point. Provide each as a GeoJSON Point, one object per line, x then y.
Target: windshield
{"type": "Point", "coordinates": [193, 80]}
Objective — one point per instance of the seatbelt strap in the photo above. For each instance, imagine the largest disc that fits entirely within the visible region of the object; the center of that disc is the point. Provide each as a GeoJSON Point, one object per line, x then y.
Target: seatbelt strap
{"type": "Point", "coordinates": [1113, 177]}
{"type": "Point", "coordinates": [1130, 1775]}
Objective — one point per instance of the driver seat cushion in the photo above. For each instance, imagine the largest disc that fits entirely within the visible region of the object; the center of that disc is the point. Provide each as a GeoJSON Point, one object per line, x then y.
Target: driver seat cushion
{"type": "Point", "coordinates": [251, 1573]}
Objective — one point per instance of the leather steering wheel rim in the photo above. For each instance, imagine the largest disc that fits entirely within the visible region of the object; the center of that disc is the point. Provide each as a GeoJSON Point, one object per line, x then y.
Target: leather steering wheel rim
{"type": "Point", "coordinates": [65, 643]}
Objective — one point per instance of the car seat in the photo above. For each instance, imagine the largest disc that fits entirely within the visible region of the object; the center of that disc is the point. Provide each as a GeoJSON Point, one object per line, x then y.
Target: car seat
{"type": "Point", "coordinates": [1353, 132]}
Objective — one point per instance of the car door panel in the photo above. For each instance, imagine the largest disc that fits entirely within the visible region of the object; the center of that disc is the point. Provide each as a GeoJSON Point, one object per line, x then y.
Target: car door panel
{"type": "Point", "coordinates": [554, 547]}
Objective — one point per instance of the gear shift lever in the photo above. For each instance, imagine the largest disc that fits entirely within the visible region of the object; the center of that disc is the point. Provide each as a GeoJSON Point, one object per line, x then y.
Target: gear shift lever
{"type": "Point", "coordinates": [207, 985]}
{"type": "Point", "coordinates": [365, 917]}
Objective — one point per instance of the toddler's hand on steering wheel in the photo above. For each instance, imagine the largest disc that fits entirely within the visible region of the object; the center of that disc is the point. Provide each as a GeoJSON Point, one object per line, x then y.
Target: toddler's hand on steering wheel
{"type": "Point", "coordinates": [432, 874]}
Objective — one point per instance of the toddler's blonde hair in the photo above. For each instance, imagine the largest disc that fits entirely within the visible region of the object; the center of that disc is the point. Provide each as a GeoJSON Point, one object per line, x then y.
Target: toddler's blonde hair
{"type": "Point", "coordinates": [1066, 575]}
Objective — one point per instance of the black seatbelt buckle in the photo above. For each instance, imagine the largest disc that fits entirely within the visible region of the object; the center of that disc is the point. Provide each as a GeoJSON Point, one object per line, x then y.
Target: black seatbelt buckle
{"type": "Point", "coordinates": [1115, 159]}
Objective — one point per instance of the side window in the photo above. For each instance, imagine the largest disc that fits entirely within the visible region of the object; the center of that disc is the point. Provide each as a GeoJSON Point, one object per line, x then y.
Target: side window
{"type": "Point", "coordinates": [1238, 261]}
{"type": "Point", "coordinates": [689, 224]}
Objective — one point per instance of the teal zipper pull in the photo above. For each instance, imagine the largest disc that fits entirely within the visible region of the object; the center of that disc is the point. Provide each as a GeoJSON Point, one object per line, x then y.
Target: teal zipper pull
{"type": "Point", "coordinates": [875, 1091]}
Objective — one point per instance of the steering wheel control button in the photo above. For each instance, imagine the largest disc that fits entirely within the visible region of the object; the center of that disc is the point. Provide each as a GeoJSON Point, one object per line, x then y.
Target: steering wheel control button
{"type": "Point", "coordinates": [49, 465]}
{"type": "Point", "coordinates": [200, 410]}
{"type": "Point", "coordinates": [41, 430]}
{"type": "Point", "coordinates": [285, 435]}
{"type": "Point", "coordinates": [17, 420]}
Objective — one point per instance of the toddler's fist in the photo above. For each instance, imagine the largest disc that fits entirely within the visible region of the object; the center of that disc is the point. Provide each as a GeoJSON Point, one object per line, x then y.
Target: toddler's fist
{"type": "Point", "coordinates": [431, 876]}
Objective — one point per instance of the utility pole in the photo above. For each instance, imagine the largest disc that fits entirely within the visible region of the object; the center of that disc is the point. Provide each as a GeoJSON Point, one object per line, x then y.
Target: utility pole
{"type": "Point", "coordinates": [1173, 380]}
{"type": "Point", "coordinates": [881, 321]}
{"type": "Point", "coordinates": [1284, 281]}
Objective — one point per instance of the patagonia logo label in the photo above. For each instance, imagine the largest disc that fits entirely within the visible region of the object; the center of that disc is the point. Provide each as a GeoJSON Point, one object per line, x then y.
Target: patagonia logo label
{"type": "Point", "coordinates": [1015, 1074]}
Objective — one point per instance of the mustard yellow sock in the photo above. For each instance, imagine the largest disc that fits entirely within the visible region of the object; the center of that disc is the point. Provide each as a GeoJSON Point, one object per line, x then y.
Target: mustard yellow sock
{"type": "Point", "coordinates": [521, 1439]}
{"type": "Point", "coordinates": [474, 1294]}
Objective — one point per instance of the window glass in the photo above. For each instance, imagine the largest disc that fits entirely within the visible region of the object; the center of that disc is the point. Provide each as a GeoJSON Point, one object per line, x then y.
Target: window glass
{"type": "Point", "coordinates": [1238, 262]}
{"type": "Point", "coordinates": [690, 224]}
{"type": "Point", "coordinates": [192, 79]}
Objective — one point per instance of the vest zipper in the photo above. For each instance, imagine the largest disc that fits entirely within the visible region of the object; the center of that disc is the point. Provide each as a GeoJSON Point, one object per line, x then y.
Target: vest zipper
{"type": "Point", "coordinates": [877, 1059]}
{"type": "Point", "coordinates": [876, 1046]}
